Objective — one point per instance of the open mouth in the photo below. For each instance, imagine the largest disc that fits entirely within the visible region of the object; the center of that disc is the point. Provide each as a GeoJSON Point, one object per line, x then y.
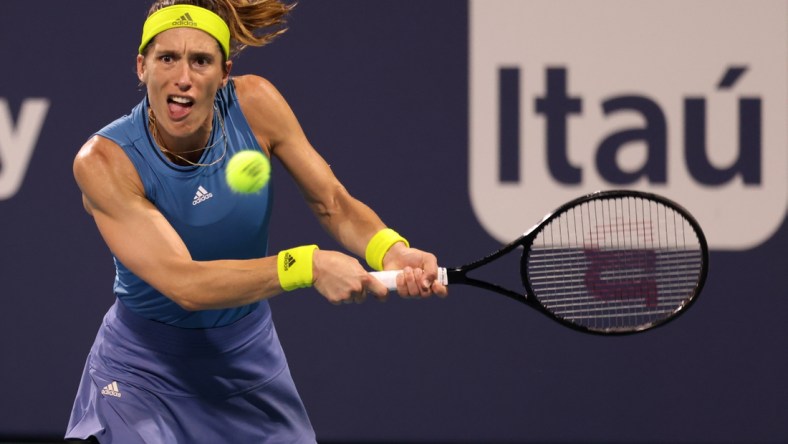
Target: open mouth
{"type": "Point", "coordinates": [179, 106]}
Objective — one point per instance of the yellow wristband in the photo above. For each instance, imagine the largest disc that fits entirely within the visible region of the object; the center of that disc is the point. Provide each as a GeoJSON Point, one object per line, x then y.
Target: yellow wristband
{"type": "Point", "coordinates": [294, 267]}
{"type": "Point", "coordinates": [380, 244]}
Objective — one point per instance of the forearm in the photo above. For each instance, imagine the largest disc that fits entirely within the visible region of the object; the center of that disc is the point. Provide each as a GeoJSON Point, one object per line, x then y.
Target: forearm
{"type": "Point", "coordinates": [349, 221]}
{"type": "Point", "coordinates": [207, 285]}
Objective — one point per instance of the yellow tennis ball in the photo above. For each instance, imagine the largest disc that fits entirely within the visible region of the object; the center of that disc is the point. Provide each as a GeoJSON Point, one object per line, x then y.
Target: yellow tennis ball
{"type": "Point", "coordinates": [248, 171]}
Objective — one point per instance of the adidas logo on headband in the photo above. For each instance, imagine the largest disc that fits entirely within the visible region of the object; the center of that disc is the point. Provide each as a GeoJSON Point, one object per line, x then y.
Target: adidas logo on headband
{"type": "Point", "coordinates": [184, 20]}
{"type": "Point", "coordinates": [179, 16]}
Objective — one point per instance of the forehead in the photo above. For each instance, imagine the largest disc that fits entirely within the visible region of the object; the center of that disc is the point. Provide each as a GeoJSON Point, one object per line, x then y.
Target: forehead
{"type": "Point", "coordinates": [187, 40]}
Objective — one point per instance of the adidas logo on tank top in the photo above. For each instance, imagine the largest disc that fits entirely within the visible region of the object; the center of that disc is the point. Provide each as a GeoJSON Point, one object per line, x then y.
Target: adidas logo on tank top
{"type": "Point", "coordinates": [201, 196]}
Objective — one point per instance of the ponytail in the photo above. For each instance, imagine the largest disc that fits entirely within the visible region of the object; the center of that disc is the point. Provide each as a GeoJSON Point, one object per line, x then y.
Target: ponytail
{"type": "Point", "coordinates": [251, 22]}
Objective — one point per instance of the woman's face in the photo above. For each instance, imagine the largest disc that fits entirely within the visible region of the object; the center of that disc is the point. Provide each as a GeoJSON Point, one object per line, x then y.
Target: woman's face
{"type": "Point", "coordinates": [182, 71]}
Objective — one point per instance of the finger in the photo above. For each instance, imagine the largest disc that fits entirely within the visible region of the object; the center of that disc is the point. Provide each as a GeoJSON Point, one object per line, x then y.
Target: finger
{"type": "Point", "coordinates": [377, 288]}
{"type": "Point", "coordinates": [430, 270]}
{"type": "Point", "coordinates": [402, 288]}
{"type": "Point", "coordinates": [439, 289]}
{"type": "Point", "coordinates": [423, 284]}
{"type": "Point", "coordinates": [402, 282]}
{"type": "Point", "coordinates": [360, 297]}
{"type": "Point", "coordinates": [410, 282]}
{"type": "Point", "coordinates": [350, 296]}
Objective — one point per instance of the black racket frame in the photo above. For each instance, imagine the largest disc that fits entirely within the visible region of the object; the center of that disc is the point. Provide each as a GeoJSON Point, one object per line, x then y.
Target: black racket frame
{"type": "Point", "coordinates": [459, 275]}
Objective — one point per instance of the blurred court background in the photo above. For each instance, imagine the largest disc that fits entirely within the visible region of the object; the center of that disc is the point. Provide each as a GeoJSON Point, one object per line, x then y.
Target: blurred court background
{"type": "Point", "coordinates": [461, 123]}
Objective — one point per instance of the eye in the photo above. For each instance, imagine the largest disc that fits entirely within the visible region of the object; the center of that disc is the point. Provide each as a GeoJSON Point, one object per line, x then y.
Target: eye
{"type": "Point", "coordinates": [166, 58]}
{"type": "Point", "coordinates": [202, 61]}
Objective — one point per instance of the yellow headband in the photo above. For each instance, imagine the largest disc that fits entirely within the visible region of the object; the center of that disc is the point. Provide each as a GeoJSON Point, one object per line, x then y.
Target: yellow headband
{"type": "Point", "coordinates": [186, 16]}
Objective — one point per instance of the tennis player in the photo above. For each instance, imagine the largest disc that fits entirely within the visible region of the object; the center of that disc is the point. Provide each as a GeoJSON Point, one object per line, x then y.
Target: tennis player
{"type": "Point", "coordinates": [188, 352]}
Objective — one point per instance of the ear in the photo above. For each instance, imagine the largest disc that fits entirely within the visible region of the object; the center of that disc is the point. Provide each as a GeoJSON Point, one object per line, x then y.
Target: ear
{"type": "Point", "coordinates": [141, 73]}
{"type": "Point", "coordinates": [228, 66]}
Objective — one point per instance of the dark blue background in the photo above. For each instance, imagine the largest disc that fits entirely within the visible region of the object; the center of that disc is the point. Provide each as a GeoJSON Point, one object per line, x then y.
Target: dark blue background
{"type": "Point", "coordinates": [381, 89]}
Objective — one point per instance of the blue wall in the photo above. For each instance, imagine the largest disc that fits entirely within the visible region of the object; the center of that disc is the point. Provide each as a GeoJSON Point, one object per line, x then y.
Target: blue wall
{"type": "Point", "coordinates": [382, 90]}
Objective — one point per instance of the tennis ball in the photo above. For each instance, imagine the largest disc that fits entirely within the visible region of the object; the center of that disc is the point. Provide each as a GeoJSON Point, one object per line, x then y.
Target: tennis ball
{"type": "Point", "coordinates": [248, 171]}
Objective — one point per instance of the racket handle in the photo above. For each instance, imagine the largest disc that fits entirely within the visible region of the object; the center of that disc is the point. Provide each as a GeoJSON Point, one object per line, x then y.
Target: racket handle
{"type": "Point", "coordinates": [389, 277]}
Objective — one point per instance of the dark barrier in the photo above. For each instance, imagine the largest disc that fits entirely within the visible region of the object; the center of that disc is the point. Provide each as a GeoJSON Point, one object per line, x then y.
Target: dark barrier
{"type": "Point", "coordinates": [420, 108]}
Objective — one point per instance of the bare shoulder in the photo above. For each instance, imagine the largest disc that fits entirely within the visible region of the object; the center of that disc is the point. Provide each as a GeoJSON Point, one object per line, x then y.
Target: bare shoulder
{"type": "Point", "coordinates": [267, 111]}
{"type": "Point", "coordinates": [100, 157]}
{"type": "Point", "coordinates": [255, 88]}
{"type": "Point", "coordinates": [104, 172]}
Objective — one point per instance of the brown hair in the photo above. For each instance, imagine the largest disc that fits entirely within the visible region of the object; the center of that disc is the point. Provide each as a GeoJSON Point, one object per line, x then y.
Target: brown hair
{"type": "Point", "coordinates": [251, 22]}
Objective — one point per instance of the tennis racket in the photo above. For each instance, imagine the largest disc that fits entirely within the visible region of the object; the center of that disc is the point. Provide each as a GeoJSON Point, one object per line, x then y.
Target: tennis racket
{"type": "Point", "coordinates": [611, 263]}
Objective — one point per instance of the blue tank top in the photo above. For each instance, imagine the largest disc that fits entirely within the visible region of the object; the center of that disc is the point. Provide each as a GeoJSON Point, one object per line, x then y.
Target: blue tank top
{"type": "Point", "coordinates": [214, 222]}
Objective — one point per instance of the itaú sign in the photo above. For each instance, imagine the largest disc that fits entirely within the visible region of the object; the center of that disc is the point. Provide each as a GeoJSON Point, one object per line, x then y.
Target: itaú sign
{"type": "Point", "coordinates": [668, 96]}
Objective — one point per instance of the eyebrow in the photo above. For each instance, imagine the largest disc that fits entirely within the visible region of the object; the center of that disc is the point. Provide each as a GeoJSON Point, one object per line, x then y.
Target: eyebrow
{"type": "Point", "coordinates": [203, 54]}
{"type": "Point", "coordinates": [190, 54]}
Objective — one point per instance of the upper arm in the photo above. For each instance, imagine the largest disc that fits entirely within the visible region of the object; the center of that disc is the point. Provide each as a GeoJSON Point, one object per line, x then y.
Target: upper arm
{"type": "Point", "coordinates": [132, 227]}
{"type": "Point", "coordinates": [349, 221]}
{"type": "Point", "coordinates": [280, 134]}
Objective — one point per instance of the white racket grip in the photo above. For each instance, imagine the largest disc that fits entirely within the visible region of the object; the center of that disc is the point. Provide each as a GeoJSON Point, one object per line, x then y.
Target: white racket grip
{"type": "Point", "coordinates": [389, 277]}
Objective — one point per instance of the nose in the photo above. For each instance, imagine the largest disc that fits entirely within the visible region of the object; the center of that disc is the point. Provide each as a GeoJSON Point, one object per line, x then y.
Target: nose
{"type": "Point", "coordinates": [184, 80]}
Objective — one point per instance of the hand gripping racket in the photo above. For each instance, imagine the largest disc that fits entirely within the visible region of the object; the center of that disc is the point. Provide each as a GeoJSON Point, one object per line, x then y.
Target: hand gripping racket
{"type": "Point", "coordinates": [611, 262]}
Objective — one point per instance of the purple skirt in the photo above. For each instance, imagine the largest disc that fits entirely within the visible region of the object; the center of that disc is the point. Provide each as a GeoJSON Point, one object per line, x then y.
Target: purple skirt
{"type": "Point", "coordinates": [148, 382]}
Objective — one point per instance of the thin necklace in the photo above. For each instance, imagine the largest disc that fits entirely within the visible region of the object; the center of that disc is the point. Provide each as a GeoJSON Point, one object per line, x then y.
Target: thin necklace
{"type": "Point", "coordinates": [155, 133]}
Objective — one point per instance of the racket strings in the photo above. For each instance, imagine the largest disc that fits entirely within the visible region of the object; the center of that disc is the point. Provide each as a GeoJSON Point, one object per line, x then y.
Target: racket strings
{"type": "Point", "coordinates": [615, 263]}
